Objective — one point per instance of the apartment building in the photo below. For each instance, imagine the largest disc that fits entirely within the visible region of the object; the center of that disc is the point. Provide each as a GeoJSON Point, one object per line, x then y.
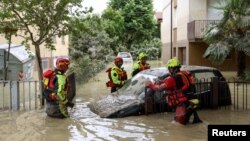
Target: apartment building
{"type": "Point", "coordinates": [189, 19]}
{"type": "Point", "coordinates": [48, 56]}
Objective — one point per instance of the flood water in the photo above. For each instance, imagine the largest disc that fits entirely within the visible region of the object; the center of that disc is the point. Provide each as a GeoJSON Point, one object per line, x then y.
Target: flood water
{"type": "Point", "coordinates": [83, 125]}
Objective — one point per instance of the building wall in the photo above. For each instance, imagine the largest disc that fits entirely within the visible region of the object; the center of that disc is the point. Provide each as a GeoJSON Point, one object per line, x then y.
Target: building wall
{"type": "Point", "coordinates": [197, 10]}
{"type": "Point", "coordinates": [46, 54]}
{"type": "Point", "coordinates": [187, 52]}
{"type": "Point", "coordinates": [198, 49]}
{"type": "Point", "coordinates": [180, 19]}
{"type": "Point", "coordinates": [165, 31]}
{"type": "Point", "coordinates": [61, 49]}
{"type": "Point", "coordinates": [183, 18]}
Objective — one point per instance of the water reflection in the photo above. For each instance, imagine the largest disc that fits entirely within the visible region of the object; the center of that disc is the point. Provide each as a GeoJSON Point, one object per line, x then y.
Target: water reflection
{"type": "Point", "coordinates": [96, 128]}
{"type": "Point", "coordinates": [85, 125]}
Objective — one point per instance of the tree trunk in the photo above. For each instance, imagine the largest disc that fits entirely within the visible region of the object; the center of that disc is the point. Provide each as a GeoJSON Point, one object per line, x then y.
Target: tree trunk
{"type": "Point", "coordinates": [241, 63]}
{"type": "Point", "coordinates": [40, 70]}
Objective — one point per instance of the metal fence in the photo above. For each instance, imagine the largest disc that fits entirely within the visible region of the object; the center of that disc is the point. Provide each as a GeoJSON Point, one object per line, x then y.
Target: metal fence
{"type": "Point", "coordinates": [214, 93]}
{"type": "Point", "coordinates": [20, 95]}
{"type": "Point", "coordinates": [240, 91]}
{"type": "Point", "coordinates": [224, 94]}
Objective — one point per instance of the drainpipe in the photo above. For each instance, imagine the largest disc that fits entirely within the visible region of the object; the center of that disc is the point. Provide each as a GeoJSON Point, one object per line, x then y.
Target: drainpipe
{"type": "Point", "coordinates": [171, 27]}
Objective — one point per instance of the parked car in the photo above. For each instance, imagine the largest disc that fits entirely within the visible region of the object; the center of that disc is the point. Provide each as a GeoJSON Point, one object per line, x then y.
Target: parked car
{"type": "Point", "coordinates": [131, 100]}
{"type": "Point", "coordinates": [127, 59]}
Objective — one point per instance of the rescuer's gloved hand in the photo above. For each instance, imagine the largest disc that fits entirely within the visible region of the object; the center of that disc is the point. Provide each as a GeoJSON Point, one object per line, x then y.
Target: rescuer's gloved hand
{"type": "Point", "coordinates": [70, 104]}
{"type": "Point", "coordinates": [149, 84]}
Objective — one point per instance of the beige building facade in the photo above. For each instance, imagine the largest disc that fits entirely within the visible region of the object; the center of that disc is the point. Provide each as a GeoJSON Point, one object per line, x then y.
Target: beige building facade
{"type": "Point", "coordinates": [48, 56]}
{"type": "Point", "coordinates": [189, 19]}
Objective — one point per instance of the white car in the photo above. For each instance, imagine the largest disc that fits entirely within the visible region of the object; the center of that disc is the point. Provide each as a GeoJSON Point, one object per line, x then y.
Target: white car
{"type": "Point", "coordinates": [127, 59]}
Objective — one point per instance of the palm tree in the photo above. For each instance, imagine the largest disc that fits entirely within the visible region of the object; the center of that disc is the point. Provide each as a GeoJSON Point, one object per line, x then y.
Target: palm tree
{"type": "Point", "coordinates": [231, 32]}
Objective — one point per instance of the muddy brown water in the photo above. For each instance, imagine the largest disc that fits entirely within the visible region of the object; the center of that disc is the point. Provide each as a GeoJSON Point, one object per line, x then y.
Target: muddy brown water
{"type": "Point", "coordinates": [83, 125]}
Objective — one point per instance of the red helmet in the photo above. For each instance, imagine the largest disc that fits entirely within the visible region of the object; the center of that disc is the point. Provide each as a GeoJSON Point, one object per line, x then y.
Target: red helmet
{"type": "Point", "coordinates": [62, 64]}
{"type": "Point", "coordinates": [118, 60]}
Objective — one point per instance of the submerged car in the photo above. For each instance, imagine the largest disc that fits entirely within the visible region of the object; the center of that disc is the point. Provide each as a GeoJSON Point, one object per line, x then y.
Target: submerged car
{"type": "Point", "coordinates": [131, 100]}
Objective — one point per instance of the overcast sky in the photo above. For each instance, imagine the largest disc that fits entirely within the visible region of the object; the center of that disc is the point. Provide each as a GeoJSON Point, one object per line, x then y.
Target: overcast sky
{"type": "Point", "coordinates": [100, 5]}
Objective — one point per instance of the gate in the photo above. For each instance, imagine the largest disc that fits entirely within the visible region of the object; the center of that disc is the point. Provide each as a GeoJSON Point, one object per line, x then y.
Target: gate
{"type": "Point", "coordinates": [19, 95]}
{"type": "Point", "coordinates": [27, 95]}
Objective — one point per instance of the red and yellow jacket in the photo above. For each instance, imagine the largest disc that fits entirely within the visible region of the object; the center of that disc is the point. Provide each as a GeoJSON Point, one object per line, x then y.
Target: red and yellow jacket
{"type": "Point", "coordinates": [117, 76]}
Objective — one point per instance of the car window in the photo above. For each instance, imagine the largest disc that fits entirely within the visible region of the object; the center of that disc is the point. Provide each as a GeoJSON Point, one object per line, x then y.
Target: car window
{"type": "Point", "coordinates": [124, 55]}
{"type": "Point", "coordinates": [203, 80]}
{"type": "Point", "coordinates": [203, 76]}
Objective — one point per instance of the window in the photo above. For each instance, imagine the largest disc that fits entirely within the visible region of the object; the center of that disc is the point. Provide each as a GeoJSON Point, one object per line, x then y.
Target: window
{"type": "Point", "coordinates": [54, 39]}
{"type": "Point", "coordinates": [204, 75]}
{"type": "Point", "coordinates": [45, 64]}
{"type": "Point", "coordinates": [124, 55]}
{"type": "Point", "coordinates": [202, 80]}
{"type": "Point", "coordinates": [63, 40]}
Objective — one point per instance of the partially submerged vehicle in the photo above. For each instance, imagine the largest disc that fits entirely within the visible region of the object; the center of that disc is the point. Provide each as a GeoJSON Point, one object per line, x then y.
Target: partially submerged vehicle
{"type": "Point", "coordinates": [131, 100]}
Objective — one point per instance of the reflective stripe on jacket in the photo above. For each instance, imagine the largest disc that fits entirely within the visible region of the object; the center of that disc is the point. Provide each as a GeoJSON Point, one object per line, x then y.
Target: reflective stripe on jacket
{"type": "Point", "coordinates": [118, 75]}
{"type": "Point", "coordinates": [61, 87]}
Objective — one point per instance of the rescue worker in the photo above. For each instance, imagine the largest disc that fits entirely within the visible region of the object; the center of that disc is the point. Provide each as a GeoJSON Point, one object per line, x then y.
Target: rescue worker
{"type": "Point", "coordinates": [141, 64]}
{"type": "Point", "coordinates": [117, 75]}
{"type": "Point", "coordinates": [57, 101]}
{"type": "Point", "coordinates": [176, 86]}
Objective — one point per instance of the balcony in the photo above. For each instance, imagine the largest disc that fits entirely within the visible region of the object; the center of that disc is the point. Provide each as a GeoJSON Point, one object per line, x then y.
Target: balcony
{"type": "Point", "coordinates": [196, 28]}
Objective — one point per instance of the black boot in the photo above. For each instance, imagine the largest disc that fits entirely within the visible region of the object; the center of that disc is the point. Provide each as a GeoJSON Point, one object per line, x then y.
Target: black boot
{"type": "Point", "coordinates": [196, 118]}
{"type": "Point", "coordinates": [188, 114]}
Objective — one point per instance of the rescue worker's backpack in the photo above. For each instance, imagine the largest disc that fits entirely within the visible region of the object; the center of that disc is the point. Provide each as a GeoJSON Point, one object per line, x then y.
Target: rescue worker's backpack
{"type": "Point", "coordinates": [48, 82]}
{"type": "Point", "coordinates": [190, 79]}
{"type": "Point", "coordinates": [109, 83]}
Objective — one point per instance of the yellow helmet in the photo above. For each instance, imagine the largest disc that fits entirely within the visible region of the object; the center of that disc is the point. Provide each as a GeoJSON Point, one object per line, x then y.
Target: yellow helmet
{"type": "Point", "coordinates": [142, 55]}
{"type": "Point", "coordinates": [194, 101]}
{"type": "Point", "coordinates": [173, 63]}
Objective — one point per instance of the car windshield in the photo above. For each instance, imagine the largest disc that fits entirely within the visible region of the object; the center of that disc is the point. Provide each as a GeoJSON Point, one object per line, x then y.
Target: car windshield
{"type": "Point", "coordinates": [161, 73]}
{"type": "Point", "coordinates": [136, 85]}
{"type": "Point", "coordinates": [124, 55]}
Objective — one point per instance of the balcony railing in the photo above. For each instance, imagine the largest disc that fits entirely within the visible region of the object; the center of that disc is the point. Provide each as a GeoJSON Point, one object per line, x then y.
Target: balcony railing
{"type": "Point", "coordinates": [196, 29]}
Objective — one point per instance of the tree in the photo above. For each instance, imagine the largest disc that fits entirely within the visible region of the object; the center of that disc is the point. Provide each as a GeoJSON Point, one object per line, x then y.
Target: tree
{"type": "Point", "coordinates": [114, 26]}
{"type": "Point", "coordinates": [138, 20]}
{"type": "Point", "coordinates": [231, 32]}
{"type": "Point", "coordinates": [37, 21]}
{"type": "Point", "coordinates": [89, 46]}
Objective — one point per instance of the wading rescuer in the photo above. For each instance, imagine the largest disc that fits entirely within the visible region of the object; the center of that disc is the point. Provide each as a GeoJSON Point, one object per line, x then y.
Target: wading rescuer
{"type": "Point", "coordinates": [56, 84]}
{"type": "Point", "coordinates": [117, 75]}
{"type": "Point", "coordinates": [141, 64]}
{"type": "Point", "coordinates": [179, 87]}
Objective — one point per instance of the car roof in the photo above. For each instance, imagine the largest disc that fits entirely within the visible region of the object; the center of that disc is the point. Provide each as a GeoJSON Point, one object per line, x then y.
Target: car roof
{"type": "Point", "coordinates": [124, 52]}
